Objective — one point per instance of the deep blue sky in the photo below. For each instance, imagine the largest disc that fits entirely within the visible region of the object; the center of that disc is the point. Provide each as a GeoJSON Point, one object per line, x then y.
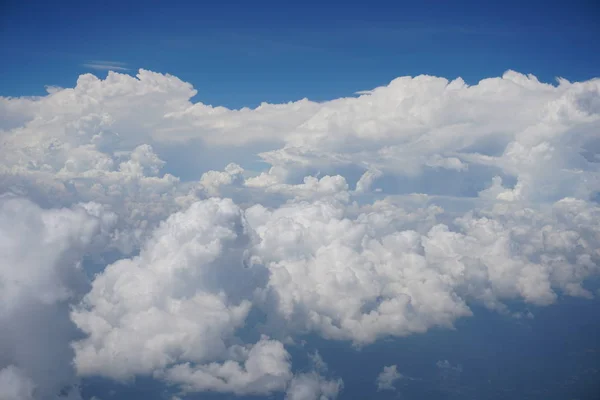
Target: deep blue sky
{"type": "Point", "coordinates": [240, 53]}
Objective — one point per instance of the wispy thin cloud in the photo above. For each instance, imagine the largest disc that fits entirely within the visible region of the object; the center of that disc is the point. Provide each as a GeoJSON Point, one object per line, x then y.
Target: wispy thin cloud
{"type": "Point", "coordinates": [106, 65]}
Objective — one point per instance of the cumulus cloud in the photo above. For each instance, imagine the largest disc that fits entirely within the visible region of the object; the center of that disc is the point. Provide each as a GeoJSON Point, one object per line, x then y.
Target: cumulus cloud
{"type": "Point", "coordinates": [211, 181]}
{"type": "Point", "coordinates": [265, 369]}
{"type": "Point", "coordinates": [423, 131]}
{"type": "Point", "coordinates": [312, 386]}
{"type": "Point", "coordinates": [355, 219]}
{"type": "Point", "coordinates": [359, 275]}
{"type": "Point", "coordinates": [387, 377]}
{"type": "Point", "coordinates": [311, 188]}
{"type": "Point", "coordinates": [40, 275]}
{"type": "Point", "coordinates": [329, 273]}
{"type": "Point", "coordinates": [178, 304]}
{"type": "Point", "coordinates": [14, 385]}
{"type": "Point", "coordinates": [178, 299]}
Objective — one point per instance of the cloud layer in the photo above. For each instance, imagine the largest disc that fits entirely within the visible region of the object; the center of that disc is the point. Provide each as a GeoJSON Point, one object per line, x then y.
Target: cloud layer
{"type": "Point", "coordinates": [232, 232]}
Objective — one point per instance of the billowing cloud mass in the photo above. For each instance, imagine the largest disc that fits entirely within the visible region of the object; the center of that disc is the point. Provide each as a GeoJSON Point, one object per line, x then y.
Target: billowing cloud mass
{"type": "Point", "coordinates": [40, 275]}
{"type": "Point", "coordinates": [171, 300]}
{"type": "Point", "coordinates": [218, 236]}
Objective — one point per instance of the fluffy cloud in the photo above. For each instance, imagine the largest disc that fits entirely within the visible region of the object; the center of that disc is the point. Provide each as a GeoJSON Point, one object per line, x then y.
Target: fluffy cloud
{"type": "Point", "coordinates": [386, 378]}
{"type": "Point", "coordinates": [178, 299]}
{"type": "Point", "coordinates": [173, 310]}
{"type": "Point", "coordinates": [344, 277]}
{"type": "Point", "coordinates": [211, 181]}
{"type": "Point", "coordinates": [513, 124]}
{"type": "Point", "coordinates": [105, 141]}
{"type": "Point", "coordinates": [14, 385]}
{"type": "Point", "coordinates": [312, 386]}
{"type": "Point", "coordinates": [40, 274]}
{"type": "Point", "coordinates": [363, 276]}
{"type": "Point", "coordinates": [381, 215]}
{"type": "Point", "coordinates": [265, 368]}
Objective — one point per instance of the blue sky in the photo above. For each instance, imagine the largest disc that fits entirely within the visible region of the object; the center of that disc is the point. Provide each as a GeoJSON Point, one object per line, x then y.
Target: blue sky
{"type": "Point", "coordinates": [240, 53]}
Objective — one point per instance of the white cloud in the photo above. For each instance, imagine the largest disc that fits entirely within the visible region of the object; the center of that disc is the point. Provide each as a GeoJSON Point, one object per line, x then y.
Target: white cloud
{"type": "Point", "coordinates": [486, 194]}
{"type": "Point", "coordinates": [364, 276]}
{"type": "Point", "coordinates": [178, 300]}
{"type": "Point", "coordinates": [106, 65]}
{"type": "Point", "coordinates": [172, 311]}
{"type": "Point", "coordinates": [14, 385]}
{"type": "Point", "coordinates": [512, 125]}
{"type": "Point", "coordinates": [317, 361]}
{"type": "Point", "coordinates": [311, 188]}
{"type": "Point", "coordinates": [265, 369]}
{"type": "Point", "coordinates": [366, 181]}
{"type": "Point", "coordinates": [211, 181]}
{"type": "Point", "coordinates": [312, 386]}
{"type": "Point", "coordinates": [387, 377]}
{"type": "Point", "coordinates": [345, 278]}
{"type": "Point", "coordinates": [40, 275]}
